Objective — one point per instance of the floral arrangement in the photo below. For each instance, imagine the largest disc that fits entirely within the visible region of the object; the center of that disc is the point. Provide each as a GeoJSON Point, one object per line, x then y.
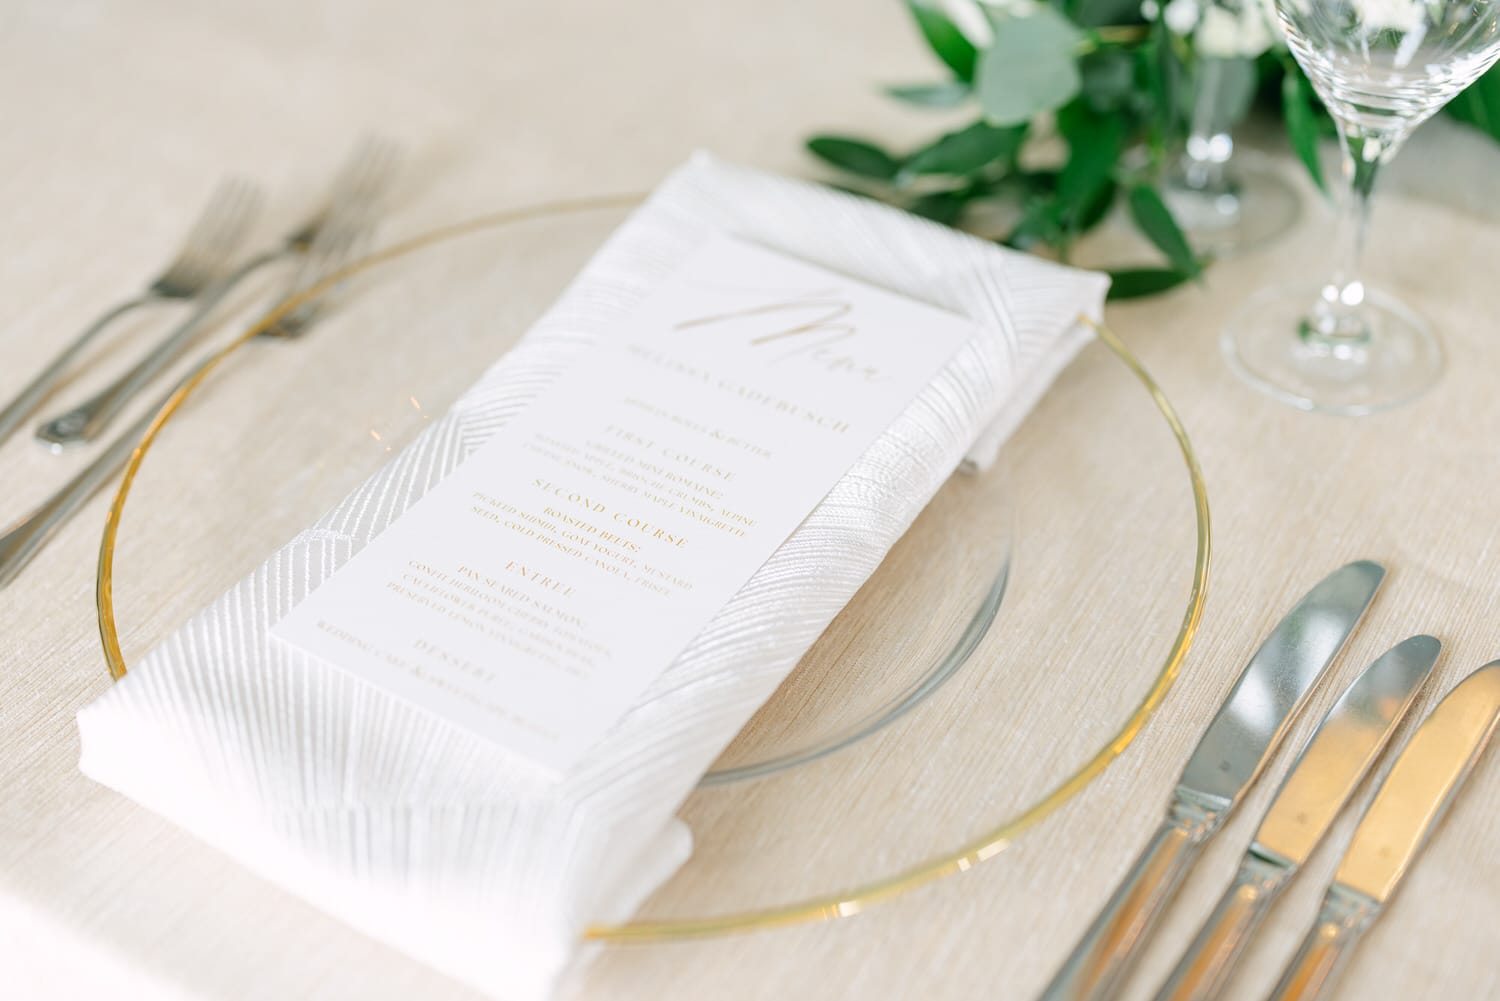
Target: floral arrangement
{"type": "Point", "coordinates": [1083, 105]}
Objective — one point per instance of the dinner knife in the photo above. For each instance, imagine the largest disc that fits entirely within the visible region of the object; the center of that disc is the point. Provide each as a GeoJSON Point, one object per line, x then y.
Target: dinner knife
{"type": "Point", "coordinates": [1400, 820]}
{"type": "Point", "coordinates": [1318, 786]}
{"type": "Point", "coordinates": [1229, 756]}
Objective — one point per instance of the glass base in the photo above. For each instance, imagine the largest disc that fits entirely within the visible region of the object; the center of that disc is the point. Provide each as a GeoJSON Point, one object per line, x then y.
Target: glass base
{"type": "Point", "coordinates": [1267, 343]}
{"type": "Point", "coordinates": [1253, 207]}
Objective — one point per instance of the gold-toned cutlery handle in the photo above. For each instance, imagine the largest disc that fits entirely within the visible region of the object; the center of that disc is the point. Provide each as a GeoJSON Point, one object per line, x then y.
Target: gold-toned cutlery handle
{"type": "Point", "coordinates": [1341, 922]}
{"type": "Point", "coordinates": [1204, 968]}
{"type": "Point", "coordinates": [1328, 770]}
{"type": "Point", "coordinates": [1109, 948]}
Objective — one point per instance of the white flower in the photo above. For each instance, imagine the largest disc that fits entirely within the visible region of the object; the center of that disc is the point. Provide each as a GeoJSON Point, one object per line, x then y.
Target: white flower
{"type": "Point", "coordinates": [1150, 9]}
{"type": "Point", "coordinates": [1218, 35]}
{"type": "Point", "coordinates": [971, 21]}
{"type": "Point", "coordinates": [1226, 34]}
{"type": "Point", "coordinates": [1181, 16]}
{"type": "Point", "coordinates": [1393, 15]}
{"type": "Point", "coordinates": [1012, 8]}
{"type": "Point", "coordinates": [972, 17]}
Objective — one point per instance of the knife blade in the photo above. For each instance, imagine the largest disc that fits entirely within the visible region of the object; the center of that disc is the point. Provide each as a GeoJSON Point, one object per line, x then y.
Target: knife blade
{"type": "Point", "coordinates": [1397, 825]}
{"type": "Point", "coordinates": [1229, 756]}
{"type": "Point", "coordinates": [1320, 783]}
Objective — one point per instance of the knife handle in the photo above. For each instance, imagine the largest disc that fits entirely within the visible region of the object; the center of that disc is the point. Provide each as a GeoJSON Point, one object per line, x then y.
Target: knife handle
{"type": "Point", "coordinates": [1342, 920]}
{"type": "Point", "coordinates": [1107, 951]}
{"type": "Point", "coordinates": [1203, 970]}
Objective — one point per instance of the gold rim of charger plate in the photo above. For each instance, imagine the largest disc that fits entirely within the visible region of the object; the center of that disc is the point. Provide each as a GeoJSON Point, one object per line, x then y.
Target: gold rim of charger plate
{"type": "Point", "coordinates": [822, 907]}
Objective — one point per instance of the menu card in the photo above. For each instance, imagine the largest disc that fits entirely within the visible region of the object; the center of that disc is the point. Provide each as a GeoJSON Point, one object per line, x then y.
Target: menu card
{"type": "Point", "coordinates": [535, 593]}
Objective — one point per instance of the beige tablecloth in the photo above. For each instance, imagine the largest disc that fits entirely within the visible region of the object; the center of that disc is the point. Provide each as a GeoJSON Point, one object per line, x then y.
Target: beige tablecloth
{"type": "Point", "coordinates": [119, 114]}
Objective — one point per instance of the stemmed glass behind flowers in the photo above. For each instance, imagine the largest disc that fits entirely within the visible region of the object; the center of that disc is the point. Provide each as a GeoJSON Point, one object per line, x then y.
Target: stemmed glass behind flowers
{"type": "Point", "coordinates": [1225, 202]}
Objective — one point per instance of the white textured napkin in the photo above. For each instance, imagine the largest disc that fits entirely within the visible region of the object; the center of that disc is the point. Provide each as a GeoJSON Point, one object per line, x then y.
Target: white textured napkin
{"type": "Point", "coordinates": [432, 840]}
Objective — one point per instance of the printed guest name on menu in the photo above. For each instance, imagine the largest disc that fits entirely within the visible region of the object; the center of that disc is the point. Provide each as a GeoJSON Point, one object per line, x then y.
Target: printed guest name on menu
{"type": "Point", "coordinates": [536, 592]}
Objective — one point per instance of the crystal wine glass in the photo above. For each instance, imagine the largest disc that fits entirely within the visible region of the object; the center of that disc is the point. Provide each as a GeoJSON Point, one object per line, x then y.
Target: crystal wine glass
{"type": "Point", "coordinates": [1382, 67]}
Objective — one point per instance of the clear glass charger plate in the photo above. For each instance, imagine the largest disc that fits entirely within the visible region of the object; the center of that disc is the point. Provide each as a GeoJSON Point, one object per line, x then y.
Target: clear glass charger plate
{"type": "Point", "coordinates": [931, 724]}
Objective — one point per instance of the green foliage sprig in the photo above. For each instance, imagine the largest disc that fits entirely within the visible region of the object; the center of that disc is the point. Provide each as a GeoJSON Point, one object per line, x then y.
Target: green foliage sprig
{"type": "Point", "coordinates": [1110, 89]}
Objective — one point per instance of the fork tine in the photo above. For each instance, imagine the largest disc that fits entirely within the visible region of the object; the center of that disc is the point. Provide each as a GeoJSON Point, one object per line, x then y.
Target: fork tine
{"type": "Point", "coordinates": [339, 246]}
{"type": "Point", "coordinates": [345, 224]}
{"type": "Point", "coordinates": [234, 224]}
{"type": "Point", "coordinates": [195, 261]}
{"type": "Point", "coordinates": [360, 179]}
{"type": "Point", "coordinates": [218, 231]}
{"type": "Point", "coordinates": [223, 206]}
{"type": "Point", "coordinates": [368, 174]}
{"type": "Point", "coordinates": [223, 195]}
{"type": "Point", "coordinates": [355, 198]}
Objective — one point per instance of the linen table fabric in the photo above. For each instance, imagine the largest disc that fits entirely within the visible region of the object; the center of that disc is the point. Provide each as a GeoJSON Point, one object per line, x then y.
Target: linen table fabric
{"type": "Point", "coordinates": [433, 840]}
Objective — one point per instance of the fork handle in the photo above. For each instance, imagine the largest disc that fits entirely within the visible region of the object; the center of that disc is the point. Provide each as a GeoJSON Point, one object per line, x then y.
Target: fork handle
{"type": "Point", "coordinates": [85, 421]}
{"type": "Point", "coordinates": [1205, 967]}
{"type": "Point", "coordinates": [25, 538]}
{"type": "Point", "coordinates": [17, 410]}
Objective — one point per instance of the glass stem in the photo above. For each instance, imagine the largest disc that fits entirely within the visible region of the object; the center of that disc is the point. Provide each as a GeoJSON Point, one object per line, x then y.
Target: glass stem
{"type": "Point", "coordinates": [1337, 320]}
{"type": "Point", "coordinates": [1209, 144]}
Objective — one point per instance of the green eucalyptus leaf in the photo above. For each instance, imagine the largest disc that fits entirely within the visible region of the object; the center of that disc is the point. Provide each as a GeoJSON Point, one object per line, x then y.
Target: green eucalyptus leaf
{"type": "Point", "coordinates": [1155, 220]}
{"type": "Point", "coordinates": [1039, 224]}
{"type": "Point", "coordinates": [966, 151]}
{"type": "Point", "coordinates": [1095, 143]}
{"type": "Point", "coordinates": [1099, 13]}
{"type": "Point", "coordinates": [855, 155]}
{"type": "Point", "coordinates": [1039, 181]}
{"type": "Point", "coordinates": [1302, 123]}
{"type": "Point", "coordinates": [1091, 211]}
{"type": "Point", "coordinates": [932, 95]}
{"type": "Point", "coordinates": [1479, 104]}
{"type": "Point", "coordinates": [1030, 67]}
{"type": "Point", "coordinates": [1086, 185]}
{"type": "Point", "coordinates": [946, 207]}
{"type": "Point", "coordinates": [1107, 78]}
{"type": "Point", "coordinates": [944, 38]}
{"type": "Point", "coordinates": [1136, 283]}
{"type": "Point", "coordinates": [1159, 74]}
{"type": "Point", "coordinates": [1150, 80]}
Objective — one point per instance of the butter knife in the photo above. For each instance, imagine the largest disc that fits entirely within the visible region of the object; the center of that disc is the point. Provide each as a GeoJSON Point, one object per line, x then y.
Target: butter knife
{"type": "Point", "coordinates": [1407, 809]}
{"type": "Point", "coordinates": [1319, 785]}
{"type": "Point", "coordinates": [1229, 756]}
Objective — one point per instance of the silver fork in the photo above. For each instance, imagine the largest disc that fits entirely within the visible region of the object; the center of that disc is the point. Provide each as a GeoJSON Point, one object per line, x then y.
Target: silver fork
{"type": "Point", "coordinates": [357, 191]}
{"type": "Point", "coordinates": [203, 258]}
{"type": "Point", "coordinates": [338, 241]}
